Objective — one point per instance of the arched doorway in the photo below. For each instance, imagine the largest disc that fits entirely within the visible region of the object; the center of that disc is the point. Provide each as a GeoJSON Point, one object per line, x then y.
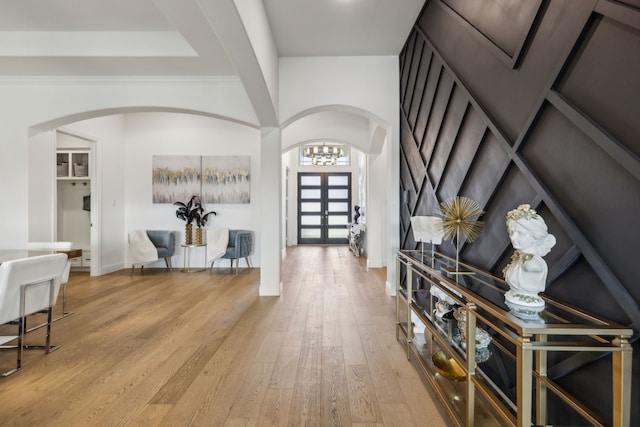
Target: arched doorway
{"type": "Point", "coordinates": [127, 142]}
{"type": "Point", "coordinates": [366, 135]}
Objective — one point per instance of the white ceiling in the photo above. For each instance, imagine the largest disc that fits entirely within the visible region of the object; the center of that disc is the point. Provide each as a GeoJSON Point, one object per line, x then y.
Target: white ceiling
{"type": "Point", "coordinates": [175, 38]}
{"type": "Point", "coordinates": [341, 27]}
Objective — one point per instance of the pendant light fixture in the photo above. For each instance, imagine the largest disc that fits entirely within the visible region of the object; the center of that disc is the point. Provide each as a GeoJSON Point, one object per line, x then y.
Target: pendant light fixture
{"type": "Point", "coordinates": [323, 155]}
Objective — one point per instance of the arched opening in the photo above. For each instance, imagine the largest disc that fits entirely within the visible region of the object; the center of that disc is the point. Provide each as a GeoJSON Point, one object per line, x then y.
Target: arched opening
{"type": "Point", "coordinates": [365, 135]}
{"type": "Point", "coordinates": [126, 141]}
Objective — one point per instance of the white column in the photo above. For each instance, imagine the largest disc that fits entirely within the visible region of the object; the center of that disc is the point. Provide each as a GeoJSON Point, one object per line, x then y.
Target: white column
{"type": "Point", "coordinates": [41, 162]}
{"type": "Point", "coordinates": [393, 205]}
{"type": "Point", "coordinates": [271, 215]}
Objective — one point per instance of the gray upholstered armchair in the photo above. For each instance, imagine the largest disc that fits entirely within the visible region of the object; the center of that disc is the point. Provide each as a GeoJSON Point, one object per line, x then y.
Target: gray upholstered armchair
{"type": "Point", "coordinates": [165, 242]}
{"type": "Point", "coordinates": [240, 246]}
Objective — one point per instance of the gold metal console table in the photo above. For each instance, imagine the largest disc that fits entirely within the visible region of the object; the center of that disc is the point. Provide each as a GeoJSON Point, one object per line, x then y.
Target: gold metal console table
{"type": "Point", "coordinates": [507, 382]}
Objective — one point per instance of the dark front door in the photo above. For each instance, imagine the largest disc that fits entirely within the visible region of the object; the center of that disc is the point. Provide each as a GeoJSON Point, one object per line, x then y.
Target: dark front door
{"type": "Point", "coordinates": [324, 205]}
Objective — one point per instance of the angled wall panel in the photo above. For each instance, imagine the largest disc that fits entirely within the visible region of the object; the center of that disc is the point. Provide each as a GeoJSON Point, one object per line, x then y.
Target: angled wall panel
{"type": "Point", "coordinates": [560, 131]}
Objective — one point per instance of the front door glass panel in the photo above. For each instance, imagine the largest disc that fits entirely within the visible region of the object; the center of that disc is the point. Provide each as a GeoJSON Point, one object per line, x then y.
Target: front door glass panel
{"type": "Point", "coordinates": [324, 204]}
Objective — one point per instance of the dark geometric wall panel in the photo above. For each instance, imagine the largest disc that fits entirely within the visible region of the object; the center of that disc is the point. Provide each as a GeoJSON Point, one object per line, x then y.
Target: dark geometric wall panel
{"type": "Point", "coordinates": [575, 282]}
{"type": "Point", "coordinates": [456, 109]}
{"type": "Point", "coordinates": [436, 115]}
{"type": "Point", "coordinates": [435, 69]}
{"type": "Point", "coordinates": [472, 130]}
{"type": "Point", "coordinates": [412, 157]}
{"type": "Point", "coordinates": [560, 132]}
{"type": "Point", "coordinates": [504, 24]}
{"type": "Point", "coordinates": [572, 168]}
{"type": "Point", "coordinates": [484, 173]}
{"type": "Point", "coordinates": [406, 66]}
{"type": "Point", "coordinates": [635, 3]}
{"type": "Point", "coordinates": [488, 78]}
{"type": "Point", "coordinates": [593, 84]}
{"type": "Point", "coordinates": [425, 62]}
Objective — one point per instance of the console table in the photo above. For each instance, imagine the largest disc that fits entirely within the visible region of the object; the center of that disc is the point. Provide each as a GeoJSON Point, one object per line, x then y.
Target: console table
{"type": "Point", "coordinates": [506, 381]}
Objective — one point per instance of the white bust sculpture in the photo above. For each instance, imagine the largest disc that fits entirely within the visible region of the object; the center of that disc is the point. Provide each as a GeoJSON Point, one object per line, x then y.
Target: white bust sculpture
{"type": "Point", "coordinates": [527, 272]}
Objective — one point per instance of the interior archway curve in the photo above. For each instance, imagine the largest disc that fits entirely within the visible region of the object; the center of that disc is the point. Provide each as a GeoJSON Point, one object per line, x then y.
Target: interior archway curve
{"type": "Point", "coordinates": [92, 114]}
{"type": "Point", "coordinates": [348, 125]}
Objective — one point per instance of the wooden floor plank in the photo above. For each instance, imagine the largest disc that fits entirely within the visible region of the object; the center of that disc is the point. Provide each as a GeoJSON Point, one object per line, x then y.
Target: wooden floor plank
{"type": "Point", "coordinates": [240, 422]}
{"type": "Point", "coordinates": [251, 395]}
{"type": "Point", "coordinates": [270, 348]}
{"type": "Point", "coordinates": [275, 408]}
{"type": "Point", "coordinates": [334, 391]}
{"type": "Point", "coordinates": [305, 406]}
{"type": "Point", "coordinates": [286, 366]}
{"type": "Point", "coordinates": [362, 395]}
{"type": "Point", "coordinates": [150, 416]}
{"type": "Point", "coordinates": [351, 344]}
{"type": "Point", "coordinates": [174, 349]}
{"type": "Point", "coordinates": [399, 415]}
{"type": "Point", "coordinates": [384, 377]}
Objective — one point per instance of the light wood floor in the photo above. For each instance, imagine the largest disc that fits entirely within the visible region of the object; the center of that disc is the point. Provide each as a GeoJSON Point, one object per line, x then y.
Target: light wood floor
{"type": "Point", "coordinates": [173, 349]}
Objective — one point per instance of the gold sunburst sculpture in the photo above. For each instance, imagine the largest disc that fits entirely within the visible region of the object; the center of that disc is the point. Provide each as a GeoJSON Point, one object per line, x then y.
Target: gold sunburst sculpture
{"type": "Point", "coordinates": [459, 220]}
{"type": "Point", "coordinates": [459, 217]}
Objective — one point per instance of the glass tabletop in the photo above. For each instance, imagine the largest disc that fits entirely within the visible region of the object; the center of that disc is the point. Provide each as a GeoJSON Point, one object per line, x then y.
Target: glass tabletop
{"type": "Point", "coordinates": [488, 292]}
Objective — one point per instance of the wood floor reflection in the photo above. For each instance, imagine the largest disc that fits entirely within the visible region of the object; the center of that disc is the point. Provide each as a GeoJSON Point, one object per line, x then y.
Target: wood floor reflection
{"type": "Point", "coordinates": [174, 349]}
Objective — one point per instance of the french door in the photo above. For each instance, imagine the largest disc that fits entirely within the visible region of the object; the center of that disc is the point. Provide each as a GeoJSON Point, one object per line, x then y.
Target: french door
{"type": "Point", "coordinates": [324, 205]}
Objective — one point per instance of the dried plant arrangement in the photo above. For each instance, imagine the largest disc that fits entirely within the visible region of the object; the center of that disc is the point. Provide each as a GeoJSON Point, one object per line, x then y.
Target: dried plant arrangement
{"type": "Point", "coordinates": [460, 221]}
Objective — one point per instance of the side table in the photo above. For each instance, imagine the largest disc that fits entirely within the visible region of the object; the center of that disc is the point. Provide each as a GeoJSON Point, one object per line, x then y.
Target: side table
{"type": "Point", "coordinates": [187, 252]}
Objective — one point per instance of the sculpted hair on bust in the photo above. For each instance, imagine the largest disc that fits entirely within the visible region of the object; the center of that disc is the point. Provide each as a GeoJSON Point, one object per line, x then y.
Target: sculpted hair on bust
{"type": "Point", "coordinates": [533, 223]}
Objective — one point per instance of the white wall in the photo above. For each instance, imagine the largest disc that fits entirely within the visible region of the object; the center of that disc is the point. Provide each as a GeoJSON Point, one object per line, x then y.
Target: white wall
{"type": "Point", "coordinates": [367, 84]}
{"type": "Point", "coordinates": [376, 210]}
{"type": "Point", "coordinates": [49, 103]}
{"type": "Point", "coordinates": [364, 82]}
{"type": "Point", "coordinates": [149, 134]}
{"type": "Point", "coordinates": [41, 192]}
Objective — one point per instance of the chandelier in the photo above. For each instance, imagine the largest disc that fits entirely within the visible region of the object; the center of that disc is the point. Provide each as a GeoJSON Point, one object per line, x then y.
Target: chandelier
{"type": "Point", "coordinates": [323, 155]}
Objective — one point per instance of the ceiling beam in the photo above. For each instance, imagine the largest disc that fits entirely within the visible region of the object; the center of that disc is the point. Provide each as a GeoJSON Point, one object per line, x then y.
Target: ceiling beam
{"type": "Point", "coordinates": [225, 19]}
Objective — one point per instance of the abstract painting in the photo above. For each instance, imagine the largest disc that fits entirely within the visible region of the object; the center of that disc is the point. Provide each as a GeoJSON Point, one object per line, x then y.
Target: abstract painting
{"type": "Point", "coordinates": [226, 179]}
{"type": "Point", "coordinates": [216, 179]}
{"type": "Point", "coordinates": [176, 178]}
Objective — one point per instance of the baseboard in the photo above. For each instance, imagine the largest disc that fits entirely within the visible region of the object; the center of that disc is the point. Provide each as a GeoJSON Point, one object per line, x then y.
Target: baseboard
{"type": "Point", "coordinates": [391, 289]}
{"type": "Point", "coordinates": [374, 263]}
{"type": "Point", "coordinates": [111, 268]}
{"type": "Point", "coordinates": [270, 291]}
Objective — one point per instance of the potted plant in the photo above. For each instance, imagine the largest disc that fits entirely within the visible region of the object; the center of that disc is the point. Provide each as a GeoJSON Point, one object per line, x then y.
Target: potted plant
{"type": "Point", "coordinates": [201, 219]}
{"type": "Point", "coordinates": [190, 212]}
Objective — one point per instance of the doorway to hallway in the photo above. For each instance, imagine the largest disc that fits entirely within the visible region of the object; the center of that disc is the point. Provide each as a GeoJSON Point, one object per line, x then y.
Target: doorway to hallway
{"type": "Point", "coordinates": [324, 205]}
